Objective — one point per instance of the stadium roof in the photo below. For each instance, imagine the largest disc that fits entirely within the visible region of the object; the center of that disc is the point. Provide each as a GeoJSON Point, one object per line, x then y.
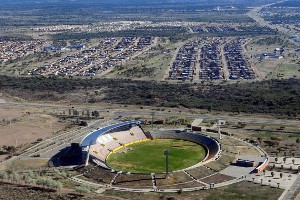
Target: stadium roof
{"type": "Point", "coordinates": [91, 138]}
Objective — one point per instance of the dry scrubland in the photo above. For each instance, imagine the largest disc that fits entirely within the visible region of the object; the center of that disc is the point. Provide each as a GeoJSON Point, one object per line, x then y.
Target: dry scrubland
{"type": "Point", "coordinates": [26, 125]}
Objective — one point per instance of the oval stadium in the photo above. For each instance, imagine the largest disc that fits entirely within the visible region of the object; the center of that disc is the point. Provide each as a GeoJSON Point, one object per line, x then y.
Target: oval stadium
{"type": "Point", "coordinates": [123, 156]}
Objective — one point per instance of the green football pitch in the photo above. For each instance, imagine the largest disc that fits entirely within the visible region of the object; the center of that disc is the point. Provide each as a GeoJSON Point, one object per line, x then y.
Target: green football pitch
{"type": "Point", "coordinates": [148, 156]}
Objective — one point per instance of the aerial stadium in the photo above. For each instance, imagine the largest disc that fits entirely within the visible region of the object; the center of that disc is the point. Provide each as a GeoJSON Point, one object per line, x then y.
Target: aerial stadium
{"type": "Point", "coordinates": [123, 156]}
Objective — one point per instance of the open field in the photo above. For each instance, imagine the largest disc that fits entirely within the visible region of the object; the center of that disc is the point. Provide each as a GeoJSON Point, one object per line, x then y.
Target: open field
{"type": "Point", "coordinates": [149, 156]}
{"type": "Point", "coordinates": [286, 67]}
{"type": "Point", "coordinates": [26, 125]}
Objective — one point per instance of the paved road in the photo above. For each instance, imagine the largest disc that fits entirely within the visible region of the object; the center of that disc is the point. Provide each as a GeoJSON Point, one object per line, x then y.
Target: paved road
{"type": "Point", "coordinates": [289, 194]}
{"type": "Point", "coordinates": [210, 117]}
{"type": "Point", "coordinates": [254, 14]}
{"type": "Point", "coordinates": [143, 112]}
{"type": "Point", "coordinates": [224, 62]}
{"type": "Point", "coordinates": [50, 147]}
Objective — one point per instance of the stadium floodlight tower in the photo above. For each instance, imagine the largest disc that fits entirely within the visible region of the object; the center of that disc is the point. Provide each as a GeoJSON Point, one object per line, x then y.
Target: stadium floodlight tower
{"type": "Point", "coordinates": [166, 153]}
{"type": "Point", "coordinates": [219, 129]}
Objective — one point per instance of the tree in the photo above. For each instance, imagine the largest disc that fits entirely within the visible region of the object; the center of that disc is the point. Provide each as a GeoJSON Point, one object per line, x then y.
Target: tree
{"type": "Point", "coordinates": [95, 114]}
{"type": "Point", "coordinates": [179, 191]}
{"type": "Point", "coordinates": [64, 174]}
{"type": "Point", "coordinates": [272, 174]}
{"type": "Point", "coordinates": [9, 149]}
{"type": "Point", "coordinates": [284, 159]}
{"type": "Point", "coordinates": [28, 180]}
{"type": "Point", "coordinates": [16, 177]}
{"type": "Point", "coordinates": [3, 175]}
{"type": "Point", "coordinates": [281, 175]}
{"type": "Point", "coordinates": [293, 161]}
{"type": "Point", "coordinates": [83, 123]}
{"type": "Point", "coordinates": [42, 182]}
{"type": "Point", "coordinates": [75, 112]}
{"type": "Point", "coordinates": [81, 189]}
{"type": "Point", "coordinates": [276, 159]}
{"type": "Point", "coordinates": [54, 184]}
{"type": "Point", "coordinates": [30, 174]}
{"type": "Point", "coordinates": [209, 108]}
{"type": "Point", "coordinates": [58, 185]}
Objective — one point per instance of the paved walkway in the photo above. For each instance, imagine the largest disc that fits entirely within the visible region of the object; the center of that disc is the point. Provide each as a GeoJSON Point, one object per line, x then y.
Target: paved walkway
{"type": "Point", "coordinates": [289, 193]}
{"type": "Point", "coordinates": [237, 171]}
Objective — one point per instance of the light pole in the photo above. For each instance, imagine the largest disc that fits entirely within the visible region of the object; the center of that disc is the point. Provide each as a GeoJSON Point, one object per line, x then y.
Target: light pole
{"type": "Point", "coordinates": [166, 153]}
{"type": "Point", "coordinates": [219, 129]}
{"type": "Point", "coordinates": [16, 140]}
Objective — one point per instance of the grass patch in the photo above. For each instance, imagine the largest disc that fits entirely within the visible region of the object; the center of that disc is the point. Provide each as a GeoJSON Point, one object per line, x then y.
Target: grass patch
{"type": "Point", "coordinates": [147, 157]}
{"type": "Point", "coordinates": [27, 164]}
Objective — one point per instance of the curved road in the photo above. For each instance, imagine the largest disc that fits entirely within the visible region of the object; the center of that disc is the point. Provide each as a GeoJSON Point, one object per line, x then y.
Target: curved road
{"type": "Point", "coordinates": [145, 112]}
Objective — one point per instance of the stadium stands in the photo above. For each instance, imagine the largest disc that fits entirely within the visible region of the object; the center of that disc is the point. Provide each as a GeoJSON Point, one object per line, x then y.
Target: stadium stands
{"type": "Point", "coordinates": [211, 144]}
{"type": "Point", "coordinates": [200, 172]}
{"type": "Point", "coordinates": [189, 184]}
{"type": "Point", "coordinates": [173, 178]}
{"type": "Point", "coordinates": [217, 178]}
{"type": "Point", "coordinates": [100, 175]}
{"type": "Point", "coordinates": [108, 142]}
{"type": "Point", "coordinates": [221, 163]}
{"type": "Point", "coordinates": [141, 180]}
{"type": "Point", "coordinates": [91, 138]}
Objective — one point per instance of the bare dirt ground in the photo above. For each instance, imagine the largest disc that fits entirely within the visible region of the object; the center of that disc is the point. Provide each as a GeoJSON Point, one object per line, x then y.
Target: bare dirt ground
{"type": "Point", "coordinates": [25, 125]}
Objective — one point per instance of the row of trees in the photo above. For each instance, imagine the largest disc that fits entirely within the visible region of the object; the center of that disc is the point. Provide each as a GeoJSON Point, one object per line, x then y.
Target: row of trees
{"type": "Point", "coordinates": [280, 97]}
{"type": "Point", "coordinates": [86, 113]}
